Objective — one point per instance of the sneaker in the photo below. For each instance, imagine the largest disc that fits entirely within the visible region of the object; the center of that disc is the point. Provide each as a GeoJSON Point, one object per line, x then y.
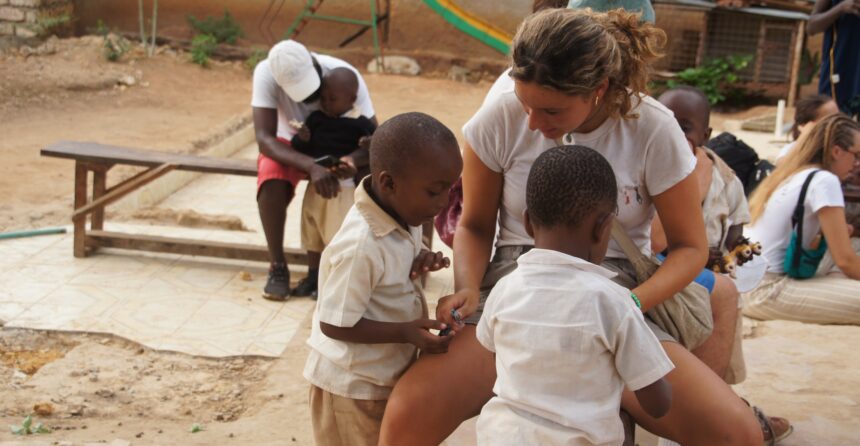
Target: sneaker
{"type": "Point", "coordinates": [278, 283]}
{"type": "Point", "coordinates": [306, 287]}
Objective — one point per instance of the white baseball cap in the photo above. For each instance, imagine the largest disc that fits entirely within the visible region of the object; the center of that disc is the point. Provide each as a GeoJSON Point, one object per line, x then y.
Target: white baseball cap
{"type": "Point", "coordinates": [293, 69]}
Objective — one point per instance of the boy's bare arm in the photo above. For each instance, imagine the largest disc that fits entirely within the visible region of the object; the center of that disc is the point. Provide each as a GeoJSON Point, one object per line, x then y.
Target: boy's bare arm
{"type": "Point", "coordinates": [655, 398]}
{"type": "Point", "coordinates": [367, 331]}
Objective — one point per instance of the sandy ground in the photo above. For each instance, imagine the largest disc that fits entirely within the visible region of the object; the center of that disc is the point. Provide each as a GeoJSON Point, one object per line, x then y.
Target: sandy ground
{"type": "Point", "coordinates": [100, 389]}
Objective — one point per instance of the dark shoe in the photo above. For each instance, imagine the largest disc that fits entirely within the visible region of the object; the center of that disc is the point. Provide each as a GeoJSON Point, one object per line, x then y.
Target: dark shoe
{"type": "Point", "coordinates": [306, 287]}
{"type": "Point", "coordinates": [278, 284]}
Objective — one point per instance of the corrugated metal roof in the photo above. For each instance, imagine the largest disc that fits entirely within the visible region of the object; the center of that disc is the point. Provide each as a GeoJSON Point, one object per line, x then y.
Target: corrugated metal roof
{"type": "Point", "coordinates": [769, 12]}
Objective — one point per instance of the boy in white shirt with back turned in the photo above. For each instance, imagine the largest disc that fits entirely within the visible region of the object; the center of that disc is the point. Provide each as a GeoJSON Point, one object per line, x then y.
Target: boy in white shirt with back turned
{"type": "Point", "coordinates": [567, 339]}
{"type": "Point", "coordinates": [371, 316]}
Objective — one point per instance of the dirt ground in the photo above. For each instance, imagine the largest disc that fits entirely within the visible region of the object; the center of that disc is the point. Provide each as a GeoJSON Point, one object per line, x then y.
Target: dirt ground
{"type": "Point", "coordinates": [91, 388]}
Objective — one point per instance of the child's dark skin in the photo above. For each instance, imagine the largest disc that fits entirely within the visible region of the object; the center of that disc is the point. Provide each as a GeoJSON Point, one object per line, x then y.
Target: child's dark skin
{"type": "Point", "coordinates": [411, 197]}
{"type": "Point", "coordinates": [589, 241]}
{"type": "Point", "coordinates": [694, 118]}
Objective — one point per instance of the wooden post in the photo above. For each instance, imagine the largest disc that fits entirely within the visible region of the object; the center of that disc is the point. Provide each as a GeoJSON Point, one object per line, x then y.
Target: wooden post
{"type": "Point", "coordinates": [799, 39]}
{"type": "Point", "coordinates": [80, 248]}
{"type": "Point", "coordinates": [99, 187]}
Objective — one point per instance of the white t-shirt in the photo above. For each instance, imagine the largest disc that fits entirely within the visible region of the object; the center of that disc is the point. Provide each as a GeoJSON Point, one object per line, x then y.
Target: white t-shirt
{"type": "Point", "coordinates": [773, 227]}
{"type": "Point", "coordinates": [567, 341]}
{"type": "Point", "coordinates": [266, 93]}
{"type": "Point", "coordinates": [649, 155]}
{"type": "Point", "coordinates": [785, 149]}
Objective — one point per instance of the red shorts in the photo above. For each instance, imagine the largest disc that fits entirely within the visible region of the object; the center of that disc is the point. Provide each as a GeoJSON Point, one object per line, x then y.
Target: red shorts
{"type": "Point", "coordinates": [269, 169]}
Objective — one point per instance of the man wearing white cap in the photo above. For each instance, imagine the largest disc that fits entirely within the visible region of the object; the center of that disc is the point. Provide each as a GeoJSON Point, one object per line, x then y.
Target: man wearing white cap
{"type": "Point", "coordinates": [285, 91]}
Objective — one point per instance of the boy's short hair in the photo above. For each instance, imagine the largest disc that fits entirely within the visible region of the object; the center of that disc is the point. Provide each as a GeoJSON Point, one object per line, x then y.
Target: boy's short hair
{"type": "Point", "coordinates": [566, 184]}
{"type": "Point", "coordinates": [342, 77]}
{"type": "Point", "coordinates": [404, 138]}
{"type": "Point", "coordinates": [700, 98]}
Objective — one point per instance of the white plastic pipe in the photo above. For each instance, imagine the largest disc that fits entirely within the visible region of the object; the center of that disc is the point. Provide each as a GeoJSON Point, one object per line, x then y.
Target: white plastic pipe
{"type": "Point", "coordinates": [780, 116]}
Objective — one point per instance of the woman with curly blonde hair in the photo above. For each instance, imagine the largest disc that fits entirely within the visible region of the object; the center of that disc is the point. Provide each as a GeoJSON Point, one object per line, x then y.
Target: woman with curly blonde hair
{"type": "Point", "coordinates": [577, 77]}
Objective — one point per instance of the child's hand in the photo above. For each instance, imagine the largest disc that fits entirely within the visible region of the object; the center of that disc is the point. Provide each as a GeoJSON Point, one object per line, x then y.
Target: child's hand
{"type": "Point", "coordinates": [364, 142]}
{"type": "Point", "coordinates": [417, 333]}
{"type": "Point", "coordinates": [304, 133]}
{"type": "Point", "coordinates": [465, 302]}
{"type": "Point", "coordinates": [428, 261]}
{"type": "Point", "coordinates": [346, 168]}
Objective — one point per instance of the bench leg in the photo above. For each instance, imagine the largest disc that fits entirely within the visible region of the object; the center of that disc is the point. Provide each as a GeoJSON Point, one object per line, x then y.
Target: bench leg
{"type": "Point", "coordinates": [99, 187]}
{"type": "Point", "coordinates": [80, 235]}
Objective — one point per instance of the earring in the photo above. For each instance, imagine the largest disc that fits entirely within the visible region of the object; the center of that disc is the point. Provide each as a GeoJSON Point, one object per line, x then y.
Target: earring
{"type": "Point", "coordinates": [596, 100]}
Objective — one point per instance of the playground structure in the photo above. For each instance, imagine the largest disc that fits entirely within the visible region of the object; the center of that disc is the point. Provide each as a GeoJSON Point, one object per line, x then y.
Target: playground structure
{"type": "Point", "coordinates": [463, 20]}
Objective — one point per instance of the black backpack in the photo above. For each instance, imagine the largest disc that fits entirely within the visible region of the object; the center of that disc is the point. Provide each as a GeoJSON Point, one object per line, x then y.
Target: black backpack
{"type": "Point", "coordinates": [742, 158]}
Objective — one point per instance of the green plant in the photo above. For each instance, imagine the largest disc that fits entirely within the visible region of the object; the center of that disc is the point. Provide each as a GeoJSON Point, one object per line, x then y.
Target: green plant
{"type": "Point", "coordinates": [197, 427]}
{"type": "Point", "coordinates": [809, 65]}
{"type": "Point", "coordinates": [225, 29]}
{"type": "Point", "coordinates": [718, 78]}
{"type": "Point", "coordinates": [114, 46]}
{"type": "Point", "coordinates": [201, 49]}
{"type": "Point", "coordinates": [27, 428]}
{"type": "Point", "coordinates": [257, 56]}
{"type": "Point", "coordinates": [47, 24]}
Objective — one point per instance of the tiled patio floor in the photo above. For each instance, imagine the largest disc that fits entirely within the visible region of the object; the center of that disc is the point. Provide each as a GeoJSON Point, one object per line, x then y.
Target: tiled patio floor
{"type": "Point", "coordinates": [195, 305]}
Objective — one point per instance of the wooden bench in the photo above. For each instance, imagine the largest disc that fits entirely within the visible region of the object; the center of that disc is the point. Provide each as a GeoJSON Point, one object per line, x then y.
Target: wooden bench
{"type": "Point", "coordinates": [99, 159]}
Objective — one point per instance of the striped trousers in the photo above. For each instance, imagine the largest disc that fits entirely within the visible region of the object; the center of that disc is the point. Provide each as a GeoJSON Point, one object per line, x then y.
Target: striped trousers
{"type": "Point", "coordinates": [822, 299]}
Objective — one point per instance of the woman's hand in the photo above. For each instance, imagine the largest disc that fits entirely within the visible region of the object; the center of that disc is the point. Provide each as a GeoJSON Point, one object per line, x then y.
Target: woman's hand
{"type": "Point", "coordinates": [465, 302]}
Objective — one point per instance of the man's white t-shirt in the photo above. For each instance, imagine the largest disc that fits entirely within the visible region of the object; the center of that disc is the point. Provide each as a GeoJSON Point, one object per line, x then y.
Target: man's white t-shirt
{"type": "Point", "coordinates": [268, 94]}
{"type": "Point", "coordinates": [649, 155]}
{"type": "Point", "coordinates": [567, 341]}
{"type": "Point", "coordinates": [773, 227]}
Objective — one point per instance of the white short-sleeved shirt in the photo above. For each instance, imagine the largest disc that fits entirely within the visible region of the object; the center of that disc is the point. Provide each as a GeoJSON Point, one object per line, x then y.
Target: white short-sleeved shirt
{"type": "Point", "coordinates": [773, 227]}
{"type": "Point", "coordinates": [567, 341]}
{"type": "Point", "coordinates": [724, 206]}
{"type": "Point", "coordinates": [785, 150]}
{"type": "Point", "coordinates": [364, 273]}
{"type": "Point", "coordinates": [266, 93]}
{"type": "Point", "coordinates": [649, 155]}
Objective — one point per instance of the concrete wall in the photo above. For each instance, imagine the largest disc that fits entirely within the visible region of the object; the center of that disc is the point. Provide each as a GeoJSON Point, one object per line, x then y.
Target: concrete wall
{"type": "Point", "coordinates": [413, 27]}
{"type": "Point", "coordinates": [20, 17]}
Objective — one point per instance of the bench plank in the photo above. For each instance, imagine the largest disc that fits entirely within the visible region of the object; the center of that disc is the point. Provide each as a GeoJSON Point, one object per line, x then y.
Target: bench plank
{"type": "Point", "coordinates": [103, 154]}
{"type": "Point", "coordinates": [108, 239]}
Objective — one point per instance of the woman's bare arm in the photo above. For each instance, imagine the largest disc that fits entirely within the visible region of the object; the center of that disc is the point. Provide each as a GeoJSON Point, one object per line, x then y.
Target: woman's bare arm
{"type": "Point", "coordinates": [681, 216]}
{"type": "Point", "coordinates": [473, 240]}
{"type": "Point", "coordinates": [835, 230]}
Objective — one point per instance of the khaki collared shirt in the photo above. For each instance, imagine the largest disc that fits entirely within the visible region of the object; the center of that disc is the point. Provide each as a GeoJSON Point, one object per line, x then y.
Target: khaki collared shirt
{"type": "Point", "coordinates": [364, 273]}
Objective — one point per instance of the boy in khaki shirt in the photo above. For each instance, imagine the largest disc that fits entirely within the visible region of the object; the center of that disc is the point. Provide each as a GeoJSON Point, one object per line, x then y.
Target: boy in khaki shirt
{"type": "Point", "coordinates": [371, 316]}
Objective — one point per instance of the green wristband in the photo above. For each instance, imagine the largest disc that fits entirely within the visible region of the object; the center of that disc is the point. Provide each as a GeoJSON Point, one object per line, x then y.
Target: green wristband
{"type": "Point", "coordinates": [636, 299]}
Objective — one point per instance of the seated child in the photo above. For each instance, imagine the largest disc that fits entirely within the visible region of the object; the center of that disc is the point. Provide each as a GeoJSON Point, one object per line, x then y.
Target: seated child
{"type": "Point", "coordinates": [335, 129]}
{"type": "Point", "coordinates": [371, 316]}
{"type": "Point", "coordinates": [722, 193]}
{"type": "Point", "coordinates": [567, 339]}
{"type": "Point", "coordinates": [807, 112]}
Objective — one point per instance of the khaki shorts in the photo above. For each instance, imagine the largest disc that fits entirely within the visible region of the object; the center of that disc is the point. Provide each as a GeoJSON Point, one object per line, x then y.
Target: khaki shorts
{"type": "Point", "coordinates": [321, 218]}
{"type": "Point", "coordinates": [627, 278]}
{"type": "Point", "coordinates": [505, 261]}
{"type": "Point", "coordinates": [341, 421]}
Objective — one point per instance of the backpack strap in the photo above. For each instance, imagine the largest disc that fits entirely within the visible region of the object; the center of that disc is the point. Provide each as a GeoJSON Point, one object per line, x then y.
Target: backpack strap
{"type": "Point", "coordinates": [797, 217]}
